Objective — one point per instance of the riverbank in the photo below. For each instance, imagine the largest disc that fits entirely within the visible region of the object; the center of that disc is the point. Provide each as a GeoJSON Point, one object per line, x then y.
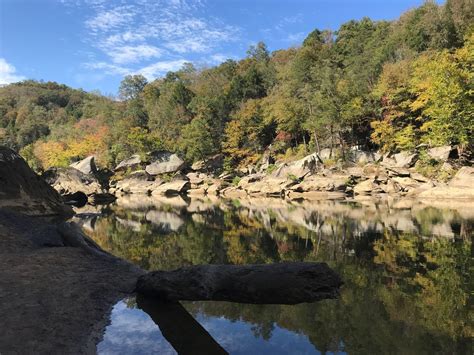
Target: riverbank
{"type": "Point", "coordinates": [55, 297]}
{"type": "Point", "coordinates": [444, 176]}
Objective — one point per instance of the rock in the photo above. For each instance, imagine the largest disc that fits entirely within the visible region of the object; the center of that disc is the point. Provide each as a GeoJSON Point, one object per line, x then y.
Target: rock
{"type": "Point", "coordinates": [216, 187]}
{"type": "Point", "coordinates": [22, 190]}
{"type": "Point", "coordinates": [405, 159]}
{"type": "Point", "coordinates": [164, 162]}
{"type": "Point", "coordinates": [443, 153]}
{"type": "Point", "coordinates": [283, 283]}
{"type": "Point", "coordinates": [131, 163]}
{"type": "Point", "coordinates": [138, 182]}
{"type": "Point", "coordinates": [406, 183]}
{"type": "Point", "coordinates": [367, 187]}
{"type": "Point", "coordinates": [394, 171]}
{"type": "Point", "coordinates": [325, 154]}
{"type": "Point", "coordinates": [196, 179]}
{"type": "Point", "coordinates": [233, 192]}
{"type": "Point", "coordinates": [322, 183]}
{"type": "Point", "coordinates": [461, 186]}
{"type": "Point", "coordinates": [86, 166]}
{"type": "Point", "coordinates": [246, 181]}
{"type": "Point", "coordinates": [364, 157]}
{"type": "Point", "coordinates": [63, 283]}
{"type": "Point", "coordinates": [373, 170]}
{"type": "Point", "coordinates": [172, 188]}
{"type": "Point", "coordinates": [298, 169]}
{"type": "Point", "coordinates": [464, 178]}
{"type": "Point", "coordinates": [270, 186]}
{"type": "Point", "coordinates": [447, 167]}
{"type": "Point", "coordinates": [392, 187]}
{"type": "Point", "coordinates": [227, 177]}
{"type": "Point", "coordinates": [69, 180]}
{"type": "Point", "coordinates": [211, 164]}
{"type": "Point", "coordinates": [418, 177]}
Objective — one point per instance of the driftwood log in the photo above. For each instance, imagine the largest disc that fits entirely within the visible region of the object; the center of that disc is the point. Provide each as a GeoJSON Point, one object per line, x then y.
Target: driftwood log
{"type": "Point", "coordinates": [283, 283]}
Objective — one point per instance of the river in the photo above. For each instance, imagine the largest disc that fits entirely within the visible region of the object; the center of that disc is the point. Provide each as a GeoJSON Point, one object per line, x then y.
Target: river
{"type": "Point", "coordinates": [405, 265]}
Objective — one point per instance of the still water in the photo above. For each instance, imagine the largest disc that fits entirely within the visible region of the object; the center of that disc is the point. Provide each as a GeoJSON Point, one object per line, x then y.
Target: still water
{"type": "Point", "coordinates": [406, 266]}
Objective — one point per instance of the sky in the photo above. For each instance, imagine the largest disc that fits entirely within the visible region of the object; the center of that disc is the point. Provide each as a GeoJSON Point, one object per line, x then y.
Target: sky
{"type": "Point", "coordinates": [93, 44]}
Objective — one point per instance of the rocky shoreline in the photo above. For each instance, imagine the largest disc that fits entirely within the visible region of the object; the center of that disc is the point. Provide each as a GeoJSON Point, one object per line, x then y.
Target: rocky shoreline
{"type": "Point", "coordinates": [310, 178]}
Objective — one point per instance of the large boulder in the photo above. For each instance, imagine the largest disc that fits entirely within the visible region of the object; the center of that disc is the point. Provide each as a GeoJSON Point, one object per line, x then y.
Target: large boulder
{"type": "Point", "coordinates": [172, 188]}
{"type": "Point", "coordinates": [138, 182]}
{"type": "Point", "coordinates": [443, 153]}
{"type": "Point", "coordinates": [131, 163]}
{"type": "Point", "coordinates": [405, 159]}
{"type": "Point", "coordinates": [367, 187]}
{"type": "Point", "coordinates": [464, 178]}
{"type": "Point", "coordinates": [298, 169]}
{"type": "Point", "coordinates": [326, 153]}
{"type": "Point", "coordinates": [69, 181]}
{"type": "Point", "coordinates": [86, 166]}
{"type": "Point", "coordinates": [322, 183]}
{"type": "Point", "coordinates": [461, 186]}
{"type": "Point", "coordinates": [164, 162]}
{"type": "Point", "coordinates": [361, 157]}
{"type": "Point", "coordinates": [21, 189]}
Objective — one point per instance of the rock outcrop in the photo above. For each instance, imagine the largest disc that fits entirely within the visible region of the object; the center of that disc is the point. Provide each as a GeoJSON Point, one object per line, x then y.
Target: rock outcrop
{"type": "Point", "coordinates": [23, 190]}
{"type": "Point", "coordinates": [175, 187]}
{"type": "Point", "coordinates": [164, 162]}
{"type": "Point", "coordinates": [69, 180]}
{"type": "Point", "coordinates": [461, 186]}
{"type": "Point", "coordinates": [131, 163]}
{"type": "Point", "coordinates": [86, 166]}
{"type": "Point", "coordinates": [138, 182]}
{"type": "Point", "coordinates": [443, 153]}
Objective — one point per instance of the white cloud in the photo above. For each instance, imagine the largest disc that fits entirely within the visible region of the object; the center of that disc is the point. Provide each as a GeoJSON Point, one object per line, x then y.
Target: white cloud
{"type": "Point", "coordinates": [160, 68]}
{"type": "Point", "coordinates": [106, 20]}
{"type": "Point", "coordinates": [8, 73]}
{"type": "Point", "coordinates": [128, 36]}
{"type": "Point", "coordinates": [108, 68]}
{"type": "Point", "coordinates": [295, 38]}
{"type": "Point", "coordinates": [130, 54]}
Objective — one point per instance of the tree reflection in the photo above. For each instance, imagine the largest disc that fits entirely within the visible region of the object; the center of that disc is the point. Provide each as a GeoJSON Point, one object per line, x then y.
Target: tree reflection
{"type": "Point", "coordinates": [406, 273]}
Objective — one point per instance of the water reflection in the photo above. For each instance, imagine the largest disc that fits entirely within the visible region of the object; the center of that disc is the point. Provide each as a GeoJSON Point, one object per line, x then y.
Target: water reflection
{"type": "Point", "coordinates": [405, 267]}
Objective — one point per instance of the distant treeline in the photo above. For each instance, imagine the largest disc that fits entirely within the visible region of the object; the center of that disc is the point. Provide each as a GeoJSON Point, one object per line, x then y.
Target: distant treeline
{"type": "Point", "coordinates": [377, 84]}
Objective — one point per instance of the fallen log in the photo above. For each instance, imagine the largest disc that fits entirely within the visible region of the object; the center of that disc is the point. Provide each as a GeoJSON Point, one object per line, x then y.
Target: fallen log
{"type": "Point", "coordinates": [283, 283]}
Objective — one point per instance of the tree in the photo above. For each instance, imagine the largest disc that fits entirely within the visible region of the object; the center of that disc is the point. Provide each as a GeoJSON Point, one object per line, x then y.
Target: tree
{"type": "Point", "coordinates": [443, 85]}
{"type": "Point", "coordinates": [131, 86]}
{"type": "Point", "coordinates": [196, 141]}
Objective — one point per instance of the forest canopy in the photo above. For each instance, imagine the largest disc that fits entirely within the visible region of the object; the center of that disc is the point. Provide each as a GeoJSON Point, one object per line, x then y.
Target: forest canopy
{"type": "Point", "coordinates": [388, 85]}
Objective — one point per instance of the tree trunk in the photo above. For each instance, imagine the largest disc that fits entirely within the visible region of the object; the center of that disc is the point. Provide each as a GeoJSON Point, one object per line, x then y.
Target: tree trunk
{"type": "Point", "coordinates": [318, 149]}
{"type": "Point", "coordinates": [283, 283]}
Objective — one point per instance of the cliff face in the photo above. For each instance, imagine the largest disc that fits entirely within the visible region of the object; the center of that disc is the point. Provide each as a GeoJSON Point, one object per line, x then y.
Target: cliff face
{"type": "Point", "coordinates": [22, 190]}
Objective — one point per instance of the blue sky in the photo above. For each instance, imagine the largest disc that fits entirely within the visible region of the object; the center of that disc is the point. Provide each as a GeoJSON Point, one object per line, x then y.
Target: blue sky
{"type": "Point", "coordinates": [92, 44]}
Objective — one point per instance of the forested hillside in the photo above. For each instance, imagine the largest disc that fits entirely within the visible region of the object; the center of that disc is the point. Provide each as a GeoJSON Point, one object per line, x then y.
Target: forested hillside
{"type": "Point", "coordinates": [377, 84]}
